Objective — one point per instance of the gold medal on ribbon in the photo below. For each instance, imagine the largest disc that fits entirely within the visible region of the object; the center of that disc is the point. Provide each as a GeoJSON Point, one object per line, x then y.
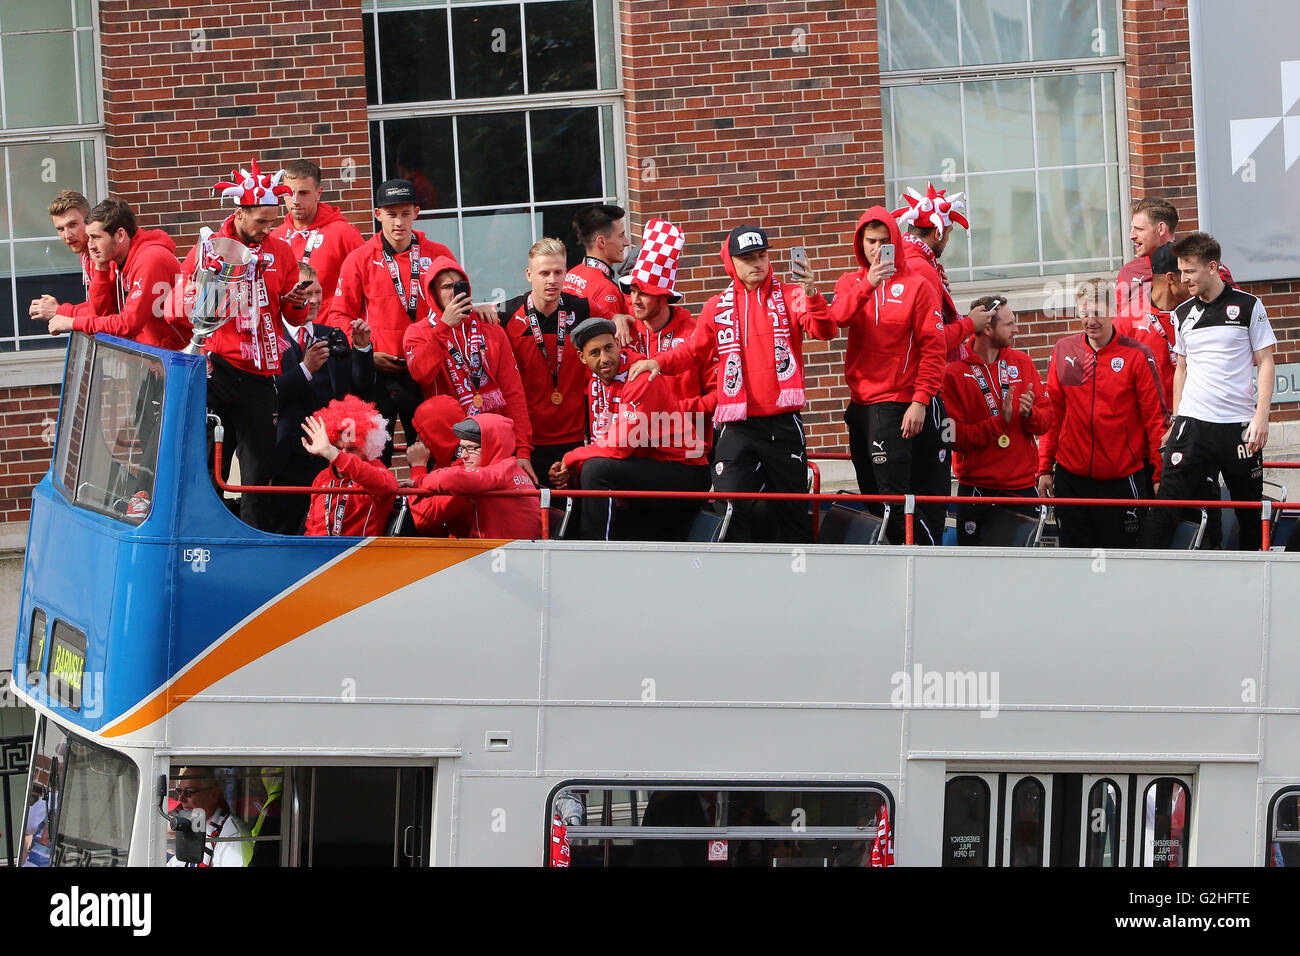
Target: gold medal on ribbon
{"type": "Point", "coordinates": [556, 397]}
{"type": "Point", "coordinates": [1004, 441]}
{"type": "Point", "coordinates": [477, 401]}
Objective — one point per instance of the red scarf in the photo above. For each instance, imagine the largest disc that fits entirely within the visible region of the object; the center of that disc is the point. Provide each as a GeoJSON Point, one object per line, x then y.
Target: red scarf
{"type": "Point", "coordinates": [603, 400]}
{"type": "Point", "coordinates": [733, 400]}
{"type": "Point", "coordinates": [467, 368]}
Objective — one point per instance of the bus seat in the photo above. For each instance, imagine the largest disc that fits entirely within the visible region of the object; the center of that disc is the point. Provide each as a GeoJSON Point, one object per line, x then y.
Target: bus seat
{"type": "Point", "coordinates": [710, 526]}
{"type": "Point", "coordinates": [1188, 534]}
{"type": "Point", "coordinates": [1004, 528]}
{"type": "Point", "coordinates": [844, 525]}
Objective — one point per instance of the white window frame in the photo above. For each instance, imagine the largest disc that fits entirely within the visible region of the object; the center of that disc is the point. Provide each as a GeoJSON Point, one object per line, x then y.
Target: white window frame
{"type": "Point", "coordinates": [1036, 292]}
{"type": "Point", "coordinates": [45, 366]}
{"type": "Point", "coordinates": [612, 97]}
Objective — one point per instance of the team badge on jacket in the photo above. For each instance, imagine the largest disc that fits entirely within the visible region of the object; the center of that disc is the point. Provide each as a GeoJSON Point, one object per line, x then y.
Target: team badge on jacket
{"type": "Point", "coordinates": [1116, 364]}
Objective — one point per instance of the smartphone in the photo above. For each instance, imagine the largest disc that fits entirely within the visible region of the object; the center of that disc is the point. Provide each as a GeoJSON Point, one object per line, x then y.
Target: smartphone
{"type": "Point", "coordinates": [996, 304]}
{"type": "Point", "coordinates": [799, 256]}
{"type": "Point", "coordinates": [302, 286]}
{"type": "Point", "coordinates": [460, 288]}
{"type": "Point", "coordinates": [886, 254]}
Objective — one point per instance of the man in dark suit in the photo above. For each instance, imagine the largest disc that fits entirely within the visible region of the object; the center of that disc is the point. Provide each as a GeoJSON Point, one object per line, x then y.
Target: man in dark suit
{"type": "Point", "coordinates": [310, 379]}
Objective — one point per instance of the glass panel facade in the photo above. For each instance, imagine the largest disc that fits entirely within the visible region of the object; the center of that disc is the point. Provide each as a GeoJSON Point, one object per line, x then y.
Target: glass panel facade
{"type": "Point", "coordinates": [49, 83]}
{"type": "Point", "coordinates": [1039, 151]}
{"type": "Point", "coordinates": [495, 177]}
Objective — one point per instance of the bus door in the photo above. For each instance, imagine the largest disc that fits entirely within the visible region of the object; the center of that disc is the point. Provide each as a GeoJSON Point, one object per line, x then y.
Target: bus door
{"type": "Point", "coordinates": [331, 815]}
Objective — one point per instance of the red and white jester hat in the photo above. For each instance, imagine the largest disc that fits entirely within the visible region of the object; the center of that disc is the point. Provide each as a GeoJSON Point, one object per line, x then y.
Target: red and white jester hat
{"type": "Point", "coordinates": [655, 271]}
{"type": "Point", "coordinates": [351, 423]}
{"type": "Point", "coordinates": [255, 188]}
{"type": "Point", "coordinates": [934, 210]}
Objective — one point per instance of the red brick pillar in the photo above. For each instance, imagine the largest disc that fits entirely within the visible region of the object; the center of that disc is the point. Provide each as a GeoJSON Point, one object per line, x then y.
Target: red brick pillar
{"type": "Point", "coordinates": [767, 113]}
{"type": "Point", "coordinates": [194, 90]}
{"type": "Point", "coordinates": [1158, 85]}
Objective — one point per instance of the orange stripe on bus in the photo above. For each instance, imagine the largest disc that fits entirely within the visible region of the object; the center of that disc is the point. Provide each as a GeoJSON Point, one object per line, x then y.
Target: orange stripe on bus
{"type": "Point", "coordinates": [369, 573]}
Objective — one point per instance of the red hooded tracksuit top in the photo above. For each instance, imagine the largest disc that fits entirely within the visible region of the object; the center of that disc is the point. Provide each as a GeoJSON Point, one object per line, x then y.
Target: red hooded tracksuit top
{"type": "Point", "coordinates": [366, 291]}
{"type": "Point", "coordinates": [88, 270]}
{"type": "Point", "coordinates": [507, 516]}
{"type": "Point", "coordinates": [896, 347]}
{"type": "Point", "coordinates": [331, 238]}
{"type": "Point", "coordinates": [131, 302]}
{"type": "Point", "coordinates": [808, 315]}
{"type": "Point", "coordinates": [439, 516]}
{"type": "Point", "coordinates": [424, 344]}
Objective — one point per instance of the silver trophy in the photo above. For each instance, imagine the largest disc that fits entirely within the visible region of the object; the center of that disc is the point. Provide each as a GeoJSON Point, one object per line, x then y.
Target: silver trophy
{"type": "Point", "coordinates": [221, 261]}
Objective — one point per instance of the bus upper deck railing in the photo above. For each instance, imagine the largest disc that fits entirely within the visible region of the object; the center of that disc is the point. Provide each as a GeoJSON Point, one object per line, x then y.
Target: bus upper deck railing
{"type": "Point", "coordinates": [1266, 508]}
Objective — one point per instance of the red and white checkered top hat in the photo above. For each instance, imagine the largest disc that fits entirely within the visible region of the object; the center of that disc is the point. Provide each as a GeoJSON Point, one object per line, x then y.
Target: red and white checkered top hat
{"type": "Point", "coordinates": [935, 210]}
{"type": "Point", "coordinates": [656, 261]}
{"type": "Point", "coordinates": [254, 188]}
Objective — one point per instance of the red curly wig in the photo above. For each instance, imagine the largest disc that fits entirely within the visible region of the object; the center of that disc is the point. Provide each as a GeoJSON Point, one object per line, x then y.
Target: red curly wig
{"type": "Point", "coordinates": [355, 425]}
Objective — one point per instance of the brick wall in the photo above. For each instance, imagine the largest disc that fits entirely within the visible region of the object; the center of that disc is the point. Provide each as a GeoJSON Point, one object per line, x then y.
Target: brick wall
{"type": "Point", "coordinates": [27, 417]}
{"type": "Point", "coordinates": [1158, 78]}
{"type": "Point", "coordinates": [768, 113]}
{"type": "Point", "coordinates": [192, 91]}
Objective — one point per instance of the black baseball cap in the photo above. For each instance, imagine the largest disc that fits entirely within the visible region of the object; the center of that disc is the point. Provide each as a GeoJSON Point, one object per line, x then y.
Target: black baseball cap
{"type": "Point", "coordinates": [1163, 260]}
{"type": "Point", "coordinates": [394, 192]}
{"type": "Point", "coordinates": [745, 239]}
{"type": "Point", "coordinates": [469, 430]}
{"type": "Point", "coordinates": [589, 329]}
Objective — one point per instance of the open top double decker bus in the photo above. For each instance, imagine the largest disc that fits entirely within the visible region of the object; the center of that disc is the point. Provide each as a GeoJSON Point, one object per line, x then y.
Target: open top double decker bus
{"type": "Point", "coordinates": [412, 702]}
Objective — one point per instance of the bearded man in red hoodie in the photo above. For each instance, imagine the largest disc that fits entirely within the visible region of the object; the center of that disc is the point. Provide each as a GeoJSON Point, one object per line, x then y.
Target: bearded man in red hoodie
{"type": "Point", "coordinates": [244, 354]}
{"type": "Point", "coordinates": [316, 231]}
{"type": "Point", "coordinates": [132, 279]}
{"type": "Point", "coordinates": [894, 365]}
{"type": "Point", "coordinates": [754, 331]}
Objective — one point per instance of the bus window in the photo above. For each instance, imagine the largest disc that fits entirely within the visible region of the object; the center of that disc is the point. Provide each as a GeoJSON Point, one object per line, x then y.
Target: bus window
{"type": "Point", "coordinates": [1103, 825]}
{"type": "Point", "coordinates": [242, 807]}
{"type": "Point", "coordinates": [1284, 827]}
{"type": "Point", "coordinates": [736, 826]}
{"type": "Point", "coordinates": [82, 803]}
{"type": "Point", "coordinates": [1028, 805]}
{"type": "Point", "coordinates": [107, 449]}
{"type": "Point", "coordinates": [36, 645]}
{"type": "Point", "coordinates": [966, 822]}
{"type": "Point", "coordinates": [1166, 823]}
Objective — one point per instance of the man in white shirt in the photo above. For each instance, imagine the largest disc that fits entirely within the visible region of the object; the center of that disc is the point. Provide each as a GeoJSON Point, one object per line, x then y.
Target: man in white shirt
{"type": "Point", "coordinates": [228, 842]}
{"type": "Point", "coordinates": [1220, 420]}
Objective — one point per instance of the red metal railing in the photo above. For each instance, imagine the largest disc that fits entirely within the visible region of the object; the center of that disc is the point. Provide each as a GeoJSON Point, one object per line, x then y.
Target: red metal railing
{"type": "Point", "coordinates": [909, 502]}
